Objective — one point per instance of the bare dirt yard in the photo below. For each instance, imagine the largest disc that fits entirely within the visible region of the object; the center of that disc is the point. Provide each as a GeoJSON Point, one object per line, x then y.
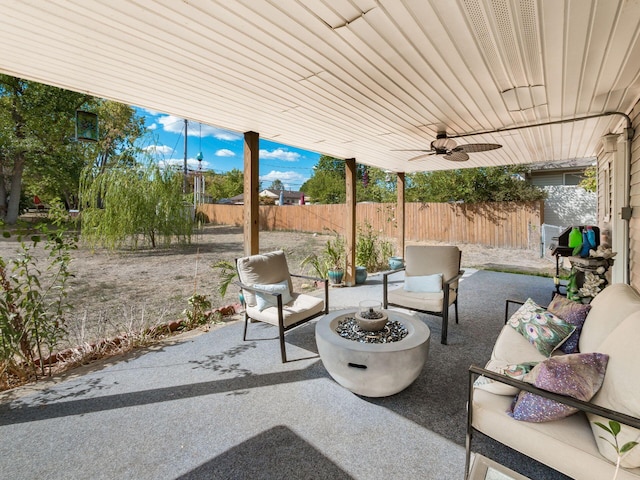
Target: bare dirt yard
{"type": "Point", "coordinates": [124, 291]}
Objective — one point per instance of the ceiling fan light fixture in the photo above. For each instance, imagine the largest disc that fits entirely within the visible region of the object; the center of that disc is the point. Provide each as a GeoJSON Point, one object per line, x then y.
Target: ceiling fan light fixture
{"type": "Point", "coordinates": [444, 143]}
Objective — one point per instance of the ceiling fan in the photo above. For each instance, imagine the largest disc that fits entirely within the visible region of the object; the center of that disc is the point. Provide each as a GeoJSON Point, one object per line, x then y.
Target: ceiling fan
{"type": "Point", "coordinates": [449, 149]}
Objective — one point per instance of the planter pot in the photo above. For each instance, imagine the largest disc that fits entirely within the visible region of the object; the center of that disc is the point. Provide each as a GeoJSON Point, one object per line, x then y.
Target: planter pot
{"type": "Point", "coordinates": [361, 275]}
{"type": "Point", "coordinates": [335, 276]}
{"type": "Point", "coordinates": [395, 262]}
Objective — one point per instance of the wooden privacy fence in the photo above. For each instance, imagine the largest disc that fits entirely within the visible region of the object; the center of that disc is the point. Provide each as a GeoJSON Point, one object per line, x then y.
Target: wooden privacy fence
{"type": "Point", "coordinates": [505, 224]}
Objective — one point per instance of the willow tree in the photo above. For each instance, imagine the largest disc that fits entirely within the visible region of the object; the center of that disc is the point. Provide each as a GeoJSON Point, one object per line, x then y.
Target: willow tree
{"type": "Point", "coordinates": [134, 205]}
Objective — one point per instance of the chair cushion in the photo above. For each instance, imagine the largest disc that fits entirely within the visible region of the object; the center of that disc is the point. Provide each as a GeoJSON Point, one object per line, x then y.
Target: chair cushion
{"type": "Point", "coordinates": [423, 283]}
{"type": "Point", "coordinates": [430, 259]}
{"type": "Point", "coordinates": [262, 269]}
{"type": "Point", "coordinates": [302, 306]}
{"type": "Point", "coordinates": [608, 309]}
{"type": "Point", "coordinates": [431, 302]}
{"type": "Point", "coordinates": [620, 390]}
{"type": "Point", "coordinates": [264, 300]}
{"type": "Point", "coordinates": [512, 348]}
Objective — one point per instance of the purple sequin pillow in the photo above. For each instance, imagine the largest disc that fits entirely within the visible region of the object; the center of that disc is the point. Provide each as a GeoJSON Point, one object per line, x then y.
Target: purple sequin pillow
{"type": "Point", "coordinates": [573, 313]}
{"type": "Point", "coordinates": [577, 375]}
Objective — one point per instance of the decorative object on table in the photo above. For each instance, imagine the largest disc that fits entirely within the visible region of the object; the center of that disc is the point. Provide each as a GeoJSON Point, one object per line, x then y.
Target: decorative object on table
{"type": "Point", "coordinates": [370, 316]}
{"type": "Point", "coordinates": [589, 275]}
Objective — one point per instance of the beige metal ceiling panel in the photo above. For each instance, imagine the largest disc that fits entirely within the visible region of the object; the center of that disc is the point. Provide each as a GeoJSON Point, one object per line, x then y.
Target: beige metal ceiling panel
{"type": "Point", "coordinates": [344, 77]}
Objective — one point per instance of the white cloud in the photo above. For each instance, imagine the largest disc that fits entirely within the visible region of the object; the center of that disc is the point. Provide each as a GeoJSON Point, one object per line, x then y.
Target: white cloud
{"type": "Point", "coordinates": [147, 111]}
{"type": "Point", "coordinates": [173, 124]}
{"type": "Point", "coordinates": [208, 131]}
{"type": "Point", "coordinates": [280, 154]}
{"type": "Point", "coordinates": [158, 149]}
{"type": "Point", "coordinates": [178, 163]}
{"type": "Point", "coordinates": [223, 152]}
{"type": "Point", "coordinates": [291, 180]}
{"type": "Point", "coordinates": [153, 126]}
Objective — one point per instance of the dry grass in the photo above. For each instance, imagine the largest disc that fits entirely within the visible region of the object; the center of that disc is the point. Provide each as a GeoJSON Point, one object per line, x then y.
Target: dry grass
{"type": "Point", "coordinates": [126, 295]}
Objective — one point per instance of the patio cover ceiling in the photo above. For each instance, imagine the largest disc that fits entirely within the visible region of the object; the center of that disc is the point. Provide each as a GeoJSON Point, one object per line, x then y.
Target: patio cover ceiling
{"type": "Point", "coordinates": [349, 78]}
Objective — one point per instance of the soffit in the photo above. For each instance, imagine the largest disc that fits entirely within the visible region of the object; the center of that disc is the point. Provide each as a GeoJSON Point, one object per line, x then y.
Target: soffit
{"type": "Point", "coordinates": [349, 78]}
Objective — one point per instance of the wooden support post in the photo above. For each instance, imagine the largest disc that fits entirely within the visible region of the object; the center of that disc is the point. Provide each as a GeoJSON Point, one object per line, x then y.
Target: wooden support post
{"type": "Point", "coordinates": [350, 225]}
{"type": "Point", "coordinates": [251, 194]}
{"type": "Point", "coordinates": [400, 187]}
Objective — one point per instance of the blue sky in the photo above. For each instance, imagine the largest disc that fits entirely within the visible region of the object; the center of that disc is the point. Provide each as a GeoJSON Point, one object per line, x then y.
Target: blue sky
{"type": "Point", "coordinates": [222, 150]}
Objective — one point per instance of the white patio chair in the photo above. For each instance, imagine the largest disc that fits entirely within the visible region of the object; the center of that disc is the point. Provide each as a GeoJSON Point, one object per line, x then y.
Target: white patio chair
{"type": "Point", "coordinates": [431, 282]}
{"type": "Point", "coordinates": [269, 297]}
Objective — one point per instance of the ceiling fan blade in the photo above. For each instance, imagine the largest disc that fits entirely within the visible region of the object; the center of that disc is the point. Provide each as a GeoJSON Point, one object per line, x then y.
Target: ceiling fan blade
{"type": "Point", "coordinates": [456, 156]}
{"type": "Point", "coordinates": [476, 147]}
{"type": "Point", "coordinates": [411, 150]}
{"type": "Point", "coordinates": [421, 156]}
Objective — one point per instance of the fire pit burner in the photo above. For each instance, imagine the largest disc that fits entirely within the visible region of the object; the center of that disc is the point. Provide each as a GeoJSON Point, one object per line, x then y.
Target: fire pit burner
{"type": "Point", "coordinates": [393, 331]}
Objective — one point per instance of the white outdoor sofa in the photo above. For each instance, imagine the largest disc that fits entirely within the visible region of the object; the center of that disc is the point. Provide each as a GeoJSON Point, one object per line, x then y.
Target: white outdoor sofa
{"type": "Point", "coordinates": [571, 445]}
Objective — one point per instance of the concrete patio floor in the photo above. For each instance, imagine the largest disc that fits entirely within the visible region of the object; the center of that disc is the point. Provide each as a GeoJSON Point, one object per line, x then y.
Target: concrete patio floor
{"type": "Point", "coordinates": [212, 406]}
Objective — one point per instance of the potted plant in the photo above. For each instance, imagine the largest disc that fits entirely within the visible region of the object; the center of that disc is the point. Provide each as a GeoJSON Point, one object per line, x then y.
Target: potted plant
{"type": "Point", "coordinates": [335, 257]}
{"type": "Point", "coordinates": [367, 252]}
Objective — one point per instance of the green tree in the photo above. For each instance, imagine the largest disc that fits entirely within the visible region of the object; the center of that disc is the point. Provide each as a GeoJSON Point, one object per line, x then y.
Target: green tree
{"type": "Point", "coordinates": [128, 201]}
{"type": "Point", "coordinates": [224, 185]}
{"type": "Point", "coordinates": [472, 185]}
{"type": "Point", "coordinates": [36, 133]}
{"type": "Point", "coordinates": [277, 185]}
{"type": "Point", "coordinates": [375, 185]}
{"type": "Point", "coordinates": [38, 151]}
{"type": "Point", "coordinates": [590, 180]}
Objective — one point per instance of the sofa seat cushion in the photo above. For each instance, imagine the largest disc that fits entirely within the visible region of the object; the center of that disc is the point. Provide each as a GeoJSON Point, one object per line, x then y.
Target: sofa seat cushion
{"type": "Point", "coordinates": [302, 306]}
{"type": "Point", "coordinates": [566, 445]}
{"type": "Point", "coordinates": [608, 309]}
{"type": "Point", "coordinates": [428, 301]}
{"type": "Point", "coordinates": [621, 389]}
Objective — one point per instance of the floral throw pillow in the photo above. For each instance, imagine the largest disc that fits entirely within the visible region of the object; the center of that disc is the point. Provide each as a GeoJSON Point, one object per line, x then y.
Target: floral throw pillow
{"type": "Point", "coordinates": [577, 375]}
{"type": "Point", "coordinates": [517, 371]}
{"type": "Point", "coordinates": [571, 312]}
{"type": "Point", "coordinates": [541, 328]}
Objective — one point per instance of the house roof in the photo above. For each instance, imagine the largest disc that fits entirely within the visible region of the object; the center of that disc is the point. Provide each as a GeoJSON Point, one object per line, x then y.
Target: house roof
{"type": "Point", "coordinates": [286, 193]}
{"type": "Point", "coordinates": [574, 164]}
{"type": "Point", "coordinates": [364, 79]}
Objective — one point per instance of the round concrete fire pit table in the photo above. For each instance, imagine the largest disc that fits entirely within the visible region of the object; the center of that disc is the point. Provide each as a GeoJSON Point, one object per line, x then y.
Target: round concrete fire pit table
{"type": "Point", "coordinates": [373, 369]}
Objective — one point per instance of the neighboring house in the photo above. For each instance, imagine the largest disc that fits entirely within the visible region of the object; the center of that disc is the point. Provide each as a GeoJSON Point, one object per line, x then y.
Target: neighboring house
{"type": "Point", "coordinates": [289, 197]}
{"type": "Point", "coordinates": [567, 203]}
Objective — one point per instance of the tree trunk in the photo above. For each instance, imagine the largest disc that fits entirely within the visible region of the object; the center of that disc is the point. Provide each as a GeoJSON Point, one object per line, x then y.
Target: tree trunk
{"type": "Point", "coordinates": [3, 199]}
{"type": "Point", "coordinates": [13, 209]}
